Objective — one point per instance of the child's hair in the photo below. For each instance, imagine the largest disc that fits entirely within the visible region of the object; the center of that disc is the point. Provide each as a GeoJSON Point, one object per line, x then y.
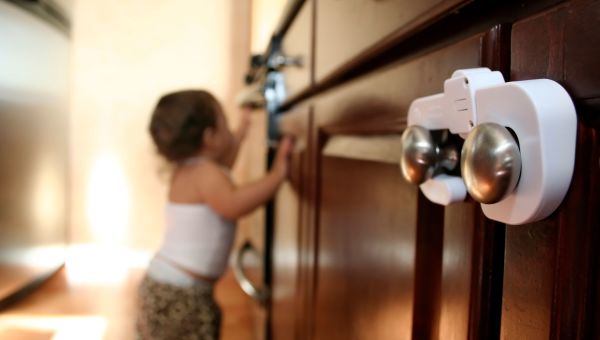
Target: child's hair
{"type": "Point", "coordinates": [179, 121]}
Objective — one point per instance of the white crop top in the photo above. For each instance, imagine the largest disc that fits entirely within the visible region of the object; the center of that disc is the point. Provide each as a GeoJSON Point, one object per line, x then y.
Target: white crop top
{"type": "Point", "coordinates": [197, 239]}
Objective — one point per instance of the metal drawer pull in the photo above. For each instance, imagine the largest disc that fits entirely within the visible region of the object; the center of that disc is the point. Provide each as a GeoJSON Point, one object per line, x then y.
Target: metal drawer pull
{"type": "Point", "coordinates": [418, 154]}
{"type": "Point", "coordinates": [260, 295]}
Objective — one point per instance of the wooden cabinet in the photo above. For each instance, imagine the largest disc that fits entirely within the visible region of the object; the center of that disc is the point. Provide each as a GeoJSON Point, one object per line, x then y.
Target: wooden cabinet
{"type": "Point", "coordinates": [358, 253]}
{"type": "Point", "coordinates": [403, 266]}
{"type": "Point", "coordinates": [290, 219]}
{"type": "Point", "coordinates": [366, 261]}
{"type": "Point", "coordinates": [345, 29]}
{"type": "Point", "coordinates": [551, 271]}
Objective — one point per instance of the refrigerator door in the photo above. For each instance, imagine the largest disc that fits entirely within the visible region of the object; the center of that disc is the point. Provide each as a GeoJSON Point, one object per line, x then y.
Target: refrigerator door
{"type": "Point", "coordinates": [34, 82]}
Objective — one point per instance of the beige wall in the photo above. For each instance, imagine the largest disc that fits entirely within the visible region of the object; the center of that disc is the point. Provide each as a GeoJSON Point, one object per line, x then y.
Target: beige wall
{"type": "Point", "coordinates": [265, 16]}
{"type": "Point", "coordinates": [126, 53]}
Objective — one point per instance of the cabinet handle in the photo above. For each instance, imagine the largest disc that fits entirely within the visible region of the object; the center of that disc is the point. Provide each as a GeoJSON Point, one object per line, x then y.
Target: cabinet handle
{"type": "Point", "coordinates": [418, 155]}
{"type": "Point", "coordinates": [490, 163]}
{"type": "Point", "coordinates": [259, 295]}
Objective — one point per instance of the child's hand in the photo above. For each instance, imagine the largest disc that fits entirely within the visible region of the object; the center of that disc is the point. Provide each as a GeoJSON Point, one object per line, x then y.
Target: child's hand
{"type": "Point", "coordinates": [282, 159]}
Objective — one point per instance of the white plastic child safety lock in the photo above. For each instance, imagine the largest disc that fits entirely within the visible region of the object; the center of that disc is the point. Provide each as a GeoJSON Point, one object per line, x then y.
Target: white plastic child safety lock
{"type": "Point", "coordinates": [541, 115]}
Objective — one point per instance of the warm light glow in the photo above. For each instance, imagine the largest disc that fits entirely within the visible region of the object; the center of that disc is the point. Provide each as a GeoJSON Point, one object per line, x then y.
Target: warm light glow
{"type": "Point", "coordinates": [120, 67]}
{"type": "Point", "coordinates": [43, 256]}
{"type": "Point", "coordinates": [107, 201]}
{"type": "Point", "coordinates": [390, 321]}
{"type": "Point", "coordinates": [62, 327]}
{"type": "Point", "coordinates": [265, 16]}
{"type": "Point", "coordinates": [102, 264]}
{"type": "Point", "coordinates": [48, 200]}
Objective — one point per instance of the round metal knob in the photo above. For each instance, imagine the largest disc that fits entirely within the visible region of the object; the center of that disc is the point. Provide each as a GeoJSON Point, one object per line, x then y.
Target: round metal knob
{"type": "Point", "coordinates": [490, 163]}
{"type": "Point", "coordinates": [418, 154]}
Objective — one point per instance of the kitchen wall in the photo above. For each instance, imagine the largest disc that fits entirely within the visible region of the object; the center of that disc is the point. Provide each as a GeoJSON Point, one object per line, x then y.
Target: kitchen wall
{"type": "Point", "coordinates": [126, 53]}
{"type": "Point", "coordinates": [265, 16]}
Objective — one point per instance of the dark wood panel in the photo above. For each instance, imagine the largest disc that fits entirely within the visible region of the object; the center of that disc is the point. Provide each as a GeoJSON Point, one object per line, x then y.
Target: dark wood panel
{"type": "Point", "coordinates": [367, 22]}
{"type": "Point", "coordinates": [298, 124]}
{"type": "Point", "coordinates": [577, 251]}
{"type": "Point", "coordinates": [486, 278]}
{"type": "Point", "coordinates": [472, 269]}
{"type": "Point", "coordinates": [460, 221]}
{"type": "Point", "coordinates": [528, 280]}
{"type": "Point", "coordinates": [566, 49]}
{"type": "Point", "coordinates": [367, 238]}
{"type": "Point", "coordinates": [285, 302]}
{"type": "Point", "coordinates": [378, 102]}
{"type": "Point", "coordinates": [455, 284]}
{"type": "Point", "coordinates": [311, 201]}
{"type": "Point", "coordinates": [551, 266]}
{"type": "Point", "coordinates": [428, 269]}
{"type": "Point", "coordinates": [449, 300]}
{"type": "Point", "coordinates": [469, 18]}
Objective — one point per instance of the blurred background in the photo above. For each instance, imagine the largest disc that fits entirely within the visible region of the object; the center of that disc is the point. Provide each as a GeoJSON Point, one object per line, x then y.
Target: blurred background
{"type": "Point", "coordinates": [80, 182]}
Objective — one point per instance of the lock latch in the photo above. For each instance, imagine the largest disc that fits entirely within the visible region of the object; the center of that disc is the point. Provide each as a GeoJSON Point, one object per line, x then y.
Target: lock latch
{"type": "Point", "coordinates": [519, 152]}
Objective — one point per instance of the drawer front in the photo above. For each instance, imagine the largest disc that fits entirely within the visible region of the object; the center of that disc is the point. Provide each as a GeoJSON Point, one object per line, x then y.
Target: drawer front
{"type": "Point", "coordinates": [297, 42]}
{"type": "Point", "coordinates": [344, 29]}
{"type": "Point", "coordinates": [378, 103]}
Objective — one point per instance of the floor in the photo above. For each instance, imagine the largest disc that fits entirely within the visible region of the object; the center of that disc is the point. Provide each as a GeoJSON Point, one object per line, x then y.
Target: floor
{"type": "Point", "coordinates": [67, 309]}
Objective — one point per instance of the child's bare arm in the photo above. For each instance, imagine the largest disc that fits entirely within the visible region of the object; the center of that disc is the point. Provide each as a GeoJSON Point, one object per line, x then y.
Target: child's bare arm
{"type": "Point", "coordinates": [233, 202]}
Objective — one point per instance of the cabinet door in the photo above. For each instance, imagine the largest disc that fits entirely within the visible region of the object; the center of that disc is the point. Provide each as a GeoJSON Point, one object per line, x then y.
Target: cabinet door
{"type": "Point", "coordinates": [285, 304]}
{"type": "Point", "coordinates": [390, 264]}
{"type": "Point", "coordinates": [367, 251]}
{"type": "Point", "coordinates": [291, 216]}
{"type": "Point", "coordinates": [551, 267]}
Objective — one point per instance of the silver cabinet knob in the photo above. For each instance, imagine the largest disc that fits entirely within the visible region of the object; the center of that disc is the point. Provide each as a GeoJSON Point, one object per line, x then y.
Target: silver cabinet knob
{"type": "Point", "coordinates": [490, 163]}
{"type": "Point", "coordinates": [418, 154]}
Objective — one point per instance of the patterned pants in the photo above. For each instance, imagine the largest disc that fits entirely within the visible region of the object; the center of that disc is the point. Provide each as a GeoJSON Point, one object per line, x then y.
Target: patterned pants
{"type": "Point", "coordinates": [170, 312]}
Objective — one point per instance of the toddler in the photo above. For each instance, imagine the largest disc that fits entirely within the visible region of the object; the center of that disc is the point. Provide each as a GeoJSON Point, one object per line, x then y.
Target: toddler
{"type": "Point", "coordinates": [190, 131]}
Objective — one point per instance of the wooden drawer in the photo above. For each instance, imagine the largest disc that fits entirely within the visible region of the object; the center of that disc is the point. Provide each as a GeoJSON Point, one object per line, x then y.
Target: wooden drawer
{"type": "Point", "coordinates": [297, 42]}
{"type": "Point", "coordinates": [379, 102]}
{"type": "Point", "coordinates": [345, 29]}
